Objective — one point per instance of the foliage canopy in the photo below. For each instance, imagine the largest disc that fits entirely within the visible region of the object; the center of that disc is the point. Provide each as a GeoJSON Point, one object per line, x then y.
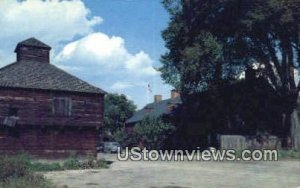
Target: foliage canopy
{"type": "Point", "coordinates": [116, 111]}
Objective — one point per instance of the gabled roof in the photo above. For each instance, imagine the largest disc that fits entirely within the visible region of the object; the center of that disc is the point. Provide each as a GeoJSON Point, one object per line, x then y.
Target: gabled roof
{"type": "Point", "coordinates": [37, 75]}
{"type": "Point", "coordinates": [32, 42]}
{"type": "Point", "coordinates": [155, 109]}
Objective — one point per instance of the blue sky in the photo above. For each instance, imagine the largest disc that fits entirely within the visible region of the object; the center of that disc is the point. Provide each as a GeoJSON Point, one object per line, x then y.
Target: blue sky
{"type": "Point", "coordinates": [139, 22]}
{"type": "Point", "coordinates": [113, 44]}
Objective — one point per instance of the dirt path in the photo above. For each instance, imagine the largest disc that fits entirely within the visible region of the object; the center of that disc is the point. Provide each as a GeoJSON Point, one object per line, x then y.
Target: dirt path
{"type": "Point", "coordinates": [194, 174]}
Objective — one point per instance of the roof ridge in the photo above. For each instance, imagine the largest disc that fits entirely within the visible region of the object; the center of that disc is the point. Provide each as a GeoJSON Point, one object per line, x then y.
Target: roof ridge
{"type": "Point", "coordinates": [44, 76]}
{"type": "Point", "coordinates": [164, 100]}
{"type": "Point", "coordinates": [75, 77]}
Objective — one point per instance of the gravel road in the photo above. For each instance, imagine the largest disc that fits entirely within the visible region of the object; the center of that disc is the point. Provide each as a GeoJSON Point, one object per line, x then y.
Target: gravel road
{"type": "Point", "coordinates": [195, 174]}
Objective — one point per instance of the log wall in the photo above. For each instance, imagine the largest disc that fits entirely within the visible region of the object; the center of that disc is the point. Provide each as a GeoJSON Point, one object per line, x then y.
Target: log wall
{"type": "Point", "coordinates": [35, 108]}
{"type": "Point", "coordinates": [27, 53]}
{"type": "Point", "coordinates": [50, 142]}
{"type": "Point", "coordinates": [40, 132]}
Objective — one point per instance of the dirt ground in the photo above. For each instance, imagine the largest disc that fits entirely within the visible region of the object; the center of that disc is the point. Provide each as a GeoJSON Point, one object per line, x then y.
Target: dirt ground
{"type": "Point", "coordinates": [195, 174]}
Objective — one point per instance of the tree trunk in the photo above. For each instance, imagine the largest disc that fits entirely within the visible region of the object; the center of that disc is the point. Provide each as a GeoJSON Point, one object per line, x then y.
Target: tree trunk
{"type": "Point", "coordinates": [289, 104]}
{"type": "Point", "coordinates": [285, 129]}
{"type": "Point", "coordinates": [295, 130]}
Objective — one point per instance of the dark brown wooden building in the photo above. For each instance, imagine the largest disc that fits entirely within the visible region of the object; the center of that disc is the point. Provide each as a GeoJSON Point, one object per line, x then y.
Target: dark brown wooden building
{"type": "Point", "coordinates": [44, 110]}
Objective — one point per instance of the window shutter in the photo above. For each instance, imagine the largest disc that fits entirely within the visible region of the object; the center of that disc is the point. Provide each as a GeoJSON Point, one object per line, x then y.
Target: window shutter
{"type": "Point", "coordinates": [62, 106]}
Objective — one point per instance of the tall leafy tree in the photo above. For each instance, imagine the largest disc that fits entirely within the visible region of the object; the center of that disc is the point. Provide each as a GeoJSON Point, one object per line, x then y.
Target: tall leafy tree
{"type": "Point", "coordinates": [210, 41]}
{"type": "Point", "coordinates": [116, 111]}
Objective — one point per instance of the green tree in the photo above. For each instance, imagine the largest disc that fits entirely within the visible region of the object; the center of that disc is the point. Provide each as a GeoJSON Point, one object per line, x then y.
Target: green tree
{"type": "Point", "coordinates": [125, 138]}
{"type": "Point", "coordinates": [116, 111]}
{"type": "Point", "coordinates": [212, 41]}
{"type": "Point", "coordinates": [153, 132]}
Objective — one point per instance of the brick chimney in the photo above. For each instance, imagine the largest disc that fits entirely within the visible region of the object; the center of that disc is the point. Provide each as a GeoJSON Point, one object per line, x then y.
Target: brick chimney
{"type": "Point", "coordinates": [174, 93]}
{"type": "Point", "coordinates": [157, 98]}
{"type": "Point", "coordinates": [33, 50]}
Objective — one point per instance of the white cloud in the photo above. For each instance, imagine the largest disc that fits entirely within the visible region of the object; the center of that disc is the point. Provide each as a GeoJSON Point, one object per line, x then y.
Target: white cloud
{"type": "Point", "coordinates": [96, 48]}
{"type": "Point", "coordinates": [141, 64]}
{"type": "Point", "coordinates": [121, 85]}
{"type": "Point", "coordinates": [105, 62]}
{"type": "Point", "coordinates": [107, 53]}
{"type": "Point", "coordinates": [64, 19]}
{"type": "Point", "coordinates": [52, 21]}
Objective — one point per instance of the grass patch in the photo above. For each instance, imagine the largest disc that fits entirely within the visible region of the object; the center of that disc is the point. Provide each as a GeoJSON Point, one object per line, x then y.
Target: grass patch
{"type": "Point", "coordinates": [71, 163]}
{"type": "Point", "coordinates": [288, 154]}
{"type": "Point", "coordinates": [29, 180]}
{"type": "Point", "coordinates": [45, 167]}
{"type": "Point", "coordinates": [19, 171]}
{"type": "Point", "coordinates": [74, 163]}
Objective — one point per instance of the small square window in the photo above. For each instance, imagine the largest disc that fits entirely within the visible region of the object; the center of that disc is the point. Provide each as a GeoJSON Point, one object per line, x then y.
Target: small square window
{"type": "Point", "coordinates": [62, 106]}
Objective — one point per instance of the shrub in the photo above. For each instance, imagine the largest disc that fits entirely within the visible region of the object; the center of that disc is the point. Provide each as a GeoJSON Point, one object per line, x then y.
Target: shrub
{"type": "Point", "coordinates": [102, 163]}
{"type": "Point", "coordinates": [121, 136]}
{"type": "Point", "coordinates": [30, 180]}
{"type": "Point", "coordinates": [17, 172]}
{"type": "Point", "coordinates": [72, 163]}
{"type": "Point", "coordinates": [152, 132]}
{"type": "Point", "coordinates": [14, 166]}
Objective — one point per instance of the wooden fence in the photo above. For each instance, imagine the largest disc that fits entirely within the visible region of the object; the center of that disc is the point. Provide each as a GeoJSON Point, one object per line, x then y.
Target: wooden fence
{"type": "Point", "coordinates": [238, 142]}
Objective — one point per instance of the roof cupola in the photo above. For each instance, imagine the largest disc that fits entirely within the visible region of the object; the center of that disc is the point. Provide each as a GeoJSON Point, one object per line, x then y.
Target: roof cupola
{"type": "Point", "coordinates": [33, 50]}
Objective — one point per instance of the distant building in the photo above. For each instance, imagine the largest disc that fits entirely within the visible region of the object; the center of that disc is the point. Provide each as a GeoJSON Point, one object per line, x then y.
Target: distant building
{"type": "Point", "coordinates": [44, 110]}
{"type": "Point", "coordinates": [158, 108]}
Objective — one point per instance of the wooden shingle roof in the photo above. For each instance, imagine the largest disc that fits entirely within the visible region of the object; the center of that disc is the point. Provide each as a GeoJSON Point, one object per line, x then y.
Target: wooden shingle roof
{"type": "Point", "coordinates": [36, 75]}
{"type": "Point", "coordinates": [32, 42]}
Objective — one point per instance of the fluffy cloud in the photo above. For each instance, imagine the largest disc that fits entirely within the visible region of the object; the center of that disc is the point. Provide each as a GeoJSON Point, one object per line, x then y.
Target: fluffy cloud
{"type": "Point", "coordinates": [98, 50]}
{"type": "Point", "coordinates": [51, 21]}
{"type": "Point", "coordinates": [98, 55]}
{"type": "Point", "coordinates": [64, 19]}
{"type": "Point", "coordinates": [105, 62]}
